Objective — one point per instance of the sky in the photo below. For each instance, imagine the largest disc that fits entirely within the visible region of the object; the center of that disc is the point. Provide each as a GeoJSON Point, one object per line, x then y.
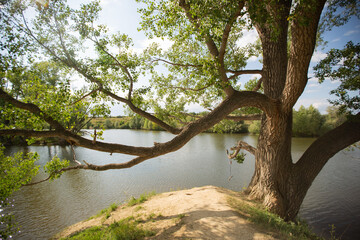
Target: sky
{"type": "Point", "coordinates": [122, 15]}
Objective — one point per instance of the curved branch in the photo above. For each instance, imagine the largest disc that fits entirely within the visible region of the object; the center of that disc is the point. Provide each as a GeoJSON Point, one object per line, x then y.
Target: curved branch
{"type": "Point", "coordinates": [31, 108]}
{"type": "Point", "coordinates": [73, 64]}
{"type": "Point", "coordinates": [258, 85]}
{"type": "Point", "coordinates": [242, 145]}
{"type": "Point", "coordinates": [244, 117]}
{"type": "Point", "coordinates": [142, 113]}
{"type": "Point", "coordinates": [235, 101]}
{"type": "Point", "coordinates": [326, 146]}
{"type": "Point", "coordinates": [29, 133]}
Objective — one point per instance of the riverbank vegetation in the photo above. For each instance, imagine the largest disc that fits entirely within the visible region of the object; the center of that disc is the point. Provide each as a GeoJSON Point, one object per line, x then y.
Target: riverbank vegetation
{"type": "Point", "coordinates": [307, 122]}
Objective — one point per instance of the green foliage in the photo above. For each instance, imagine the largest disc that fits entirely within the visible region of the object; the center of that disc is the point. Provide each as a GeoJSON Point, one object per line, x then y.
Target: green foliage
{"type": "Point", "coordinates": [229, 126]}
{"type": "Point", "coordinates": [240, 157]}
{"type": "Point", "coordinates": [136, 122]}
{"type": "Point", "coordinates": [344, 66]}
{"type": "Point", "coordinates": [122, 230]}
{"type": "Point", "coordinates": [54, 167]}
{"type": "Point", "coordinates": [254, 127]}
{"type": "Point", "coordinates": [339, 12]}
{"type": "Point", "coordinates": [307, 122]}
{"type": "Point", "coordinates": [258, 215]}
{"type": "Point", "coordinates": [15, 171]}
{"type": "Point", "coordinates": [106, 211]}
{"type": "Point", "coordinates": [143, 198]}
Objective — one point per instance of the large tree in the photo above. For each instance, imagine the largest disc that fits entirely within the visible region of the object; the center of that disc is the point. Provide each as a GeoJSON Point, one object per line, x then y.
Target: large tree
{"type": "Point", "coordinates": [204, 65]}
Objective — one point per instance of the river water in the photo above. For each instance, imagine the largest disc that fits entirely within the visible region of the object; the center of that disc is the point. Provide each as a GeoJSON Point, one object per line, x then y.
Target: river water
{"type": "Point", "coordinates": [45, 209]}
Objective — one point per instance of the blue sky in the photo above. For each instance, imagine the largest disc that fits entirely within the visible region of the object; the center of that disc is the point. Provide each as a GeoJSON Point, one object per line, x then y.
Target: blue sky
{"type": "Point", "coordinates": [122, 15]}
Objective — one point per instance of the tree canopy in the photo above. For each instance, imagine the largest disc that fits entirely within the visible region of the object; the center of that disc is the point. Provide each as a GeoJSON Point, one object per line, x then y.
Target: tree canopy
{"type": "Point", "coordinates": [204, 65]}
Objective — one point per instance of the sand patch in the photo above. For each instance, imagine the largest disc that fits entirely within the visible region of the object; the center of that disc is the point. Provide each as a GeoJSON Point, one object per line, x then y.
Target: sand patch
{"type": "Point", "coordinates": [198, 213]}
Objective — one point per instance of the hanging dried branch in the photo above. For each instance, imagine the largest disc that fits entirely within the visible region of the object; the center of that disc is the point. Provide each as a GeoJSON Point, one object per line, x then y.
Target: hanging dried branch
{"type": "Point", "coordinates": [241, 145]}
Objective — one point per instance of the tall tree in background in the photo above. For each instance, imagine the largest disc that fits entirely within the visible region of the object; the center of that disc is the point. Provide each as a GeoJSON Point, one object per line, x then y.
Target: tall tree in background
{"type": "Point", "coordinates": [205, 63]}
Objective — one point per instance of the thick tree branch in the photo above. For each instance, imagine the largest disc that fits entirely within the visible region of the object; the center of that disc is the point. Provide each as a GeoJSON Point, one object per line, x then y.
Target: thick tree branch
{"type": "Point", "coordinates": [142, 113]}
{"type": "Point", "coordinates": [235, 101]}
{"type": "Point", "coordinates": [303, 38]}
{"type": "Point", "coordinates": [244, 117]}
{"type": "Point", "coordinates": [326, 146]}
{"type": "Point", "coordinates": [29, 133]}
{"type": "Point", "coordinates": [31, 108]}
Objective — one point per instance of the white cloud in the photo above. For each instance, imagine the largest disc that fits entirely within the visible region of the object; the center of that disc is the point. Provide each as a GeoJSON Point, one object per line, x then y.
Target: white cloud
{"type": "Point", "coordinates": [258, 76]}
{"type": "Point", "coordinates": [109, 2]}
{"type": "Point", "coordinates": [164, 44]}
{"type": "Point", "coordinates": [348, 33]}
{"type": "Point", "coordinates": [321, 105]}
{"type": "Point", "coordinates": [313, 85]}
{"type": "Point", "coordinates": [192, 107]}
{"type": "Point", "coordinates": [317, 56]}
{"type": "Point", "coordinates": [253, 59]}
{"type": "Point", "coordinates": [247, 38]}
{"type": "Point", "coordinates": [336, 40]}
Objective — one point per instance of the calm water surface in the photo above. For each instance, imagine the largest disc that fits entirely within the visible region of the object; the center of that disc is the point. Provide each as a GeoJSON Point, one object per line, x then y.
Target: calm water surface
{"type": "Point", "coordinates": [45, 209]}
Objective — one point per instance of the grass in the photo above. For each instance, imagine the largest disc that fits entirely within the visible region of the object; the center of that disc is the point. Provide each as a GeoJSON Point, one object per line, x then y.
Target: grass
{"type": "Point", "coordinates": [124, 229]}
{"type": "Point", "coordinates": [270, 221]}
{"type": "Point", "coordinates": [143, 198]}
{"type": "Point", "coordinates": [106, 211]}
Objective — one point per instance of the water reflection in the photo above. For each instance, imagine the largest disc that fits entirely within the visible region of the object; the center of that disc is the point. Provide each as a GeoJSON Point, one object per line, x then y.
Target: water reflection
{"type": "Point", "coordinates": [45, 209]}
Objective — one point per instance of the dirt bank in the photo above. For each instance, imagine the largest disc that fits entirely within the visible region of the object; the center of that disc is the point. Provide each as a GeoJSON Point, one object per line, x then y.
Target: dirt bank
{"type": "Point", "coordinates": [198, 213]}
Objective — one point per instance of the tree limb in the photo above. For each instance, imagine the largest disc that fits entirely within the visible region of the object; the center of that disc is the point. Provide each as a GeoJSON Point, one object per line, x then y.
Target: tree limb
{"type": "Point", "coordinates": [303, 38]}
{"type": "Point", "coordinates": [235, 101]}
{"type": "Point", "coordinates": [258, 85]}
{"type": "Point", "coordinates": [244, 117]}
{"type": "Point", "coordinates": [326, 146]}
{"type": "Point", "coordinates": [85, 96]}
{"type": "Point", "coordinates": [241, 145]}
{"type": "Point", "coordinates": [31, 108]}
{"type": "Point", "coordinates": [241, 72]}
{"type": "Point", "coordinates": [208, 40]}
{"type": "Point", "coordinates": [227, 30]}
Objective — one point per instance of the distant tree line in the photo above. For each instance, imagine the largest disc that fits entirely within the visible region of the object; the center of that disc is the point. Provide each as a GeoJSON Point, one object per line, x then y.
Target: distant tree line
{"type": "Point", "coordinates": [307, 122]}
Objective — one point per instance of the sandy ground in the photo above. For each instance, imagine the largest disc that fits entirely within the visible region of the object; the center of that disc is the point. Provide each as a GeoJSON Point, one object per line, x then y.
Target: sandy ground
{"type": "Point", "coordinates": [198, 213]}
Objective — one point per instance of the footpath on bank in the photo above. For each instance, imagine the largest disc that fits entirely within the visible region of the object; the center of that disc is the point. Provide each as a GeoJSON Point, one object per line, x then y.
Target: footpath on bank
{"type": "Point", "coordinates": [199, 213]}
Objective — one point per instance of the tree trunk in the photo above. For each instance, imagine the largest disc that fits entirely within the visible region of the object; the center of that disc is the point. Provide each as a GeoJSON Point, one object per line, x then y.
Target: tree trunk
{"type": "Point", "coordinates": [277, 181]}
{"type": "Point", "coordinates": [272, 180]}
